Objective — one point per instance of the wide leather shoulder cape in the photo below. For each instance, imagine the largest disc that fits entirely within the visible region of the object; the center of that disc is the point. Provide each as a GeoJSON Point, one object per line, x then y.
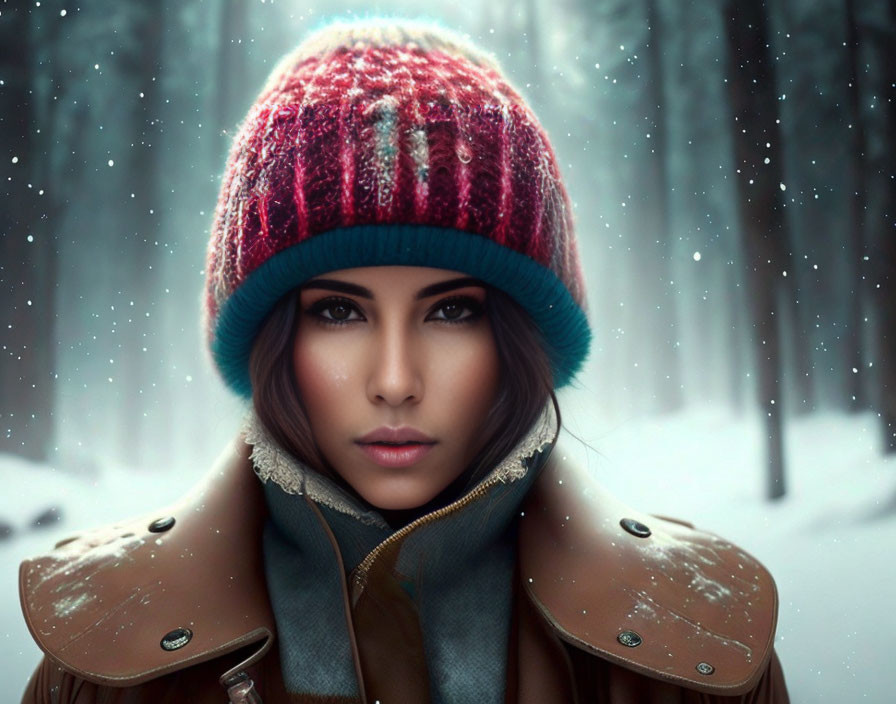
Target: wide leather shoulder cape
{"type": "Point", "coordinates": [102, 603]}
{"type": "Point", "coordinates": [647, 593]}
{"type": "Point", "coordinates": [131, 602]}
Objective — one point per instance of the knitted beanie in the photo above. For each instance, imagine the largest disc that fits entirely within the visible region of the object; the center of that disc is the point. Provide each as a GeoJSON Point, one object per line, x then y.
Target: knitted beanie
{"type": "Point", "coordinates": [390, 142]}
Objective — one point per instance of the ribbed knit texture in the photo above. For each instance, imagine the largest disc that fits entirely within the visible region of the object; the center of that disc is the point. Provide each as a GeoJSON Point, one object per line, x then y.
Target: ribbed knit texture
{"type": "Point", "coordinates": [385, 123]}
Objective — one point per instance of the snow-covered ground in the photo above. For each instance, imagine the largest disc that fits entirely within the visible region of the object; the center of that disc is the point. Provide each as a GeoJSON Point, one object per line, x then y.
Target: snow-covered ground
{"type": "Point", "coordinates": [830, 543]}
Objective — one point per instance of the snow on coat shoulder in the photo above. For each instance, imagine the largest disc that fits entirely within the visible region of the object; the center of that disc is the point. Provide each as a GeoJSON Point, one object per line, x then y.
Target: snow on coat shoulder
{"type": "Point", "coordinates": [647, 593]}
{"type": "Point", "coordinates": [129, 602]}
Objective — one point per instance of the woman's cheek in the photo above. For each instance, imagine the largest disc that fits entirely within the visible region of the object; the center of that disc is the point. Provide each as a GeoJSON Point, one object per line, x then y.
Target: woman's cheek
{"type": "Point", "coordinates": [322, 366]}
{"type": "Point", "coordinates": [468, 368]}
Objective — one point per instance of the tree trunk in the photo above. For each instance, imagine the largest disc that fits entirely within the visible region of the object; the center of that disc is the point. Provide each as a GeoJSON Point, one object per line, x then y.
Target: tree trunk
{"type": "Point", "coordinates": [142, 228]}
{"type": "Point", "coordinates": [751, 85]}
{"type": "Point", "coordinates": [857, 207]}
{"type": "Point", "coordinates": [231, 69]}
{"type": "Point", "coordinates": [28, 253]}
{"type": "Point", "coordinates": [660, 312]}
{"type": "Point", "coordinates": [875, 28]}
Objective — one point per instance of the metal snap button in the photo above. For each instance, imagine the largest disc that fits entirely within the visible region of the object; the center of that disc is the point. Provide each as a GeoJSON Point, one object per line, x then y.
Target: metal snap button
{"type": "Point", "coordinates": [176, 639]}
{"type": "Point", "coordinates": [636, 528]}
{"type": "Point", "coordinates": [629, 639]}
{"type": "Point", "coordinates": [160, 525]}
{"type": "Point", "coordinates": [704, 668]}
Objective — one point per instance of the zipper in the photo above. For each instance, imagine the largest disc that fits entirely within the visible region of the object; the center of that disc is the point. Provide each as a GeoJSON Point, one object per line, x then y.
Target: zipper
{"type": "Point", "coordinates": [359, 574]}
{"type": "Point", "coordinates": [359, 577]}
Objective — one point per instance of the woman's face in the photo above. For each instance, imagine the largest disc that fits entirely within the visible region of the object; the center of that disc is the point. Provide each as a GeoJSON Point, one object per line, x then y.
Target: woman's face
{"type": "Point", "coordinates": [398, 369]}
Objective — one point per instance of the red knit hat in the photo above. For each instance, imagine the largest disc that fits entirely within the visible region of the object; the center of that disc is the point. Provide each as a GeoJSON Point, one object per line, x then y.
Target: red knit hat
{"type": "Point", "coordinates": [384, 142]}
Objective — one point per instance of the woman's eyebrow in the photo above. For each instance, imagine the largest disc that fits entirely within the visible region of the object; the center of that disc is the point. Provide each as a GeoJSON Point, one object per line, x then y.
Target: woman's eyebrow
{"type": "Point", "coordinates": [361, 292]}
{"type": "Point", "coordinates": [450, 285]}
{"type": "Point", "coordinates": [340, 286]}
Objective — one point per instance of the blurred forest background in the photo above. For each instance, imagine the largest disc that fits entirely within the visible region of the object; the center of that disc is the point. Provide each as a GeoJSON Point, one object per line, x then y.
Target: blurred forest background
{"type": "Point", "coordinates": [731, 165]}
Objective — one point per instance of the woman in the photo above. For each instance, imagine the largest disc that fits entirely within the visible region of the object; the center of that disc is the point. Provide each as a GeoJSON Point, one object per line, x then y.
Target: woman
{"type": "Point", "coordinates": [393, 280]}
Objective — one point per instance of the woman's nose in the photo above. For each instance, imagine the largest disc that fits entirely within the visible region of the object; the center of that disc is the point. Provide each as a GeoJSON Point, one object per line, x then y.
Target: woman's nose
{"type": "Point", "coordinates": [395, 368]}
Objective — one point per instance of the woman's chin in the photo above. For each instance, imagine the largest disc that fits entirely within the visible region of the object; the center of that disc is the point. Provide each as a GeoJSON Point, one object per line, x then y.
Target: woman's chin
{"type": "Point", "coordinates": [400, 500]}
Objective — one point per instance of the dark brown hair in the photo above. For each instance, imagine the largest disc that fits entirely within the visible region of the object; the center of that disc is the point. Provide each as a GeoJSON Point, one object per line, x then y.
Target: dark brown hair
{"type": "Point", "coordinates": [525, 386]}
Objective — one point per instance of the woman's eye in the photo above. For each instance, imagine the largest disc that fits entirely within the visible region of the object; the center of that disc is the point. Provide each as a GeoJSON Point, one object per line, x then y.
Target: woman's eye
{"type": "Point", "coordinates": [457, 310]}
{"type": "Point", "coordinates": [335, 311]}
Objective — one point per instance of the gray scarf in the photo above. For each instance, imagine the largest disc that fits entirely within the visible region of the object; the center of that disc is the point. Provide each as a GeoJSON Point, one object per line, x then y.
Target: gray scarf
{"type": "Point", "coordinates": [458, 569]}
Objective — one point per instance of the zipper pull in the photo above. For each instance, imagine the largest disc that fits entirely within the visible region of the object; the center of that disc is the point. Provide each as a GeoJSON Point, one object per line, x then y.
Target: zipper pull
{"type": "Point", "coordinates": [241, 689]}
{"type": "Point", "coordinates": [356, 581]}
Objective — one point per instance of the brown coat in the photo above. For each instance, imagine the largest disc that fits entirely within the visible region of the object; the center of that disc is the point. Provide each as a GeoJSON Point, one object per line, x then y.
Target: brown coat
{"type": "Point", "coordinates": [602, 615]}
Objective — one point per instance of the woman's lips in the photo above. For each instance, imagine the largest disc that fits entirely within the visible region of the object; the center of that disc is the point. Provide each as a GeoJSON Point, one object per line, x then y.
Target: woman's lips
{"type": "Point", "coordinates": [388, 455]}
{"type": "Point", "coordinates": [404, 435]}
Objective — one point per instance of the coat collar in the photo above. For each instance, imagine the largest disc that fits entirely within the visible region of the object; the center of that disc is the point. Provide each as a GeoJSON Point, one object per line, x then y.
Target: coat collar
{"type": "Point", "coordinates": [701, 611]}
{"type": "Point", "coordinates": [274, 464]}
{"type": "Point", "coordinates": [650, 594]}
{"type": "Point", "coordinates": [102, 604]}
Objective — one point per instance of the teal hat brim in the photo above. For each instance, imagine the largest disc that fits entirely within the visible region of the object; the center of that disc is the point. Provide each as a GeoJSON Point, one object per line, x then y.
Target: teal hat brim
{"type": "Point", "coordinates": [561, 320]}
